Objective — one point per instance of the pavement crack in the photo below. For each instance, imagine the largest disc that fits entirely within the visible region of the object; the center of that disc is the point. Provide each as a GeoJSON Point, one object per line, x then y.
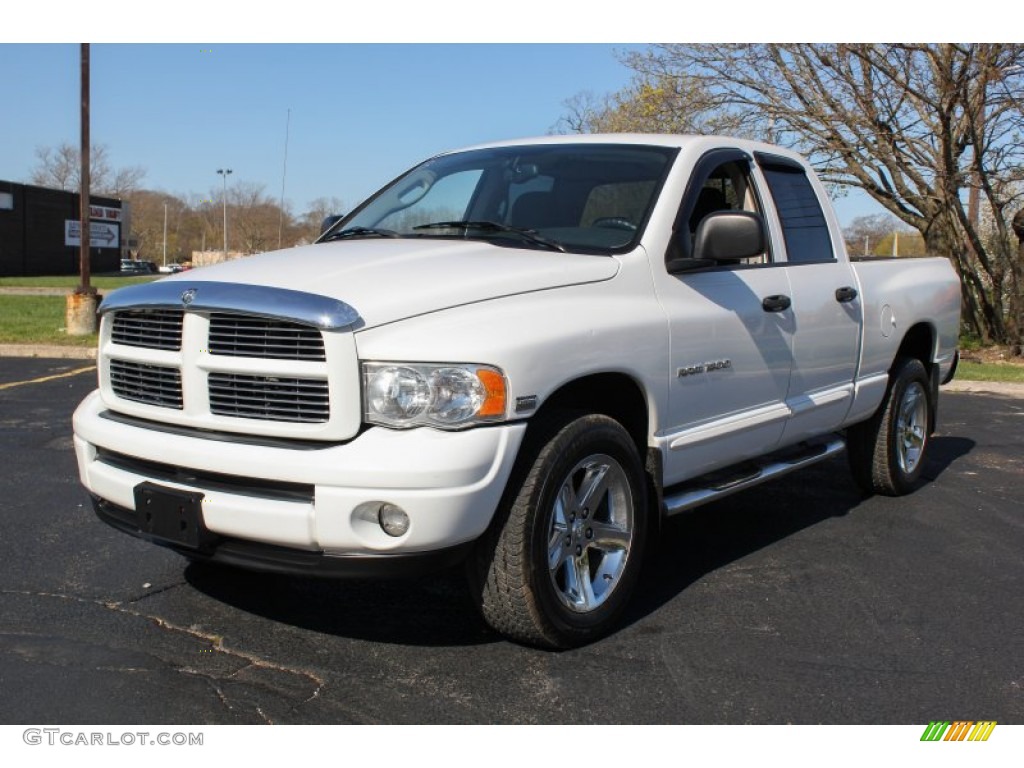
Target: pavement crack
{"type": "Point", "coordinates": [216, 641]}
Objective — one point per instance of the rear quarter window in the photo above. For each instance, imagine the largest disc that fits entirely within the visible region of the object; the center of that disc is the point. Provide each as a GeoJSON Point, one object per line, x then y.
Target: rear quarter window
{"type": "Point", "coordinates": [803, 222]}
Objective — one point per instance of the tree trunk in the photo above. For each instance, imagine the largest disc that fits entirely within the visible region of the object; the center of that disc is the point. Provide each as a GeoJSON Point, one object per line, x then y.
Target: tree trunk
{"type": "Point", "coordinates": [1016, 320]}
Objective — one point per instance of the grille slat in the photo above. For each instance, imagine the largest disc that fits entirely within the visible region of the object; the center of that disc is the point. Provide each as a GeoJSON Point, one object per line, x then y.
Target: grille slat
{"type": "Point", "coordinates": [150, 384]}
{"type": "Point", "coordinates": [245, 336]}
{"type": "Point", "coordinates": [267, 397]}
{"type": "Point", "coordinates": [149, 328]}
{"type": "Point", "coordinates": [270, 398]}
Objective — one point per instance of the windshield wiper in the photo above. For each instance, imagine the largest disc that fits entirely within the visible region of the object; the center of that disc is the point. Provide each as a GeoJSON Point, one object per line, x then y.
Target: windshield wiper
{"type": "Point", "coordinates": [359, 232]}
{"type": "Point", "coordinates": [494, 226]}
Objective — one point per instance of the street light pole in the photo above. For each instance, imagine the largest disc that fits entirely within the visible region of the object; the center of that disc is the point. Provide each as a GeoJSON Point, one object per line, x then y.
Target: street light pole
{"type": "Point", "coordinates": [224, 174]}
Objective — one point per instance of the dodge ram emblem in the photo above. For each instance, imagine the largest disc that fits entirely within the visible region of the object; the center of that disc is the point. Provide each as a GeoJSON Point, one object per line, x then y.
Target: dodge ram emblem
{"type": "Point", "coordinates": [188, 296]}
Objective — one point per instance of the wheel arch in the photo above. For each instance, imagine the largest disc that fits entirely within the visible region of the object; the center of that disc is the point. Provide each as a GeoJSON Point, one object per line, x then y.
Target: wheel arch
{"type": "Point", "coordinates": [621, 397]}
{"type": "Point", "coordinates": [616, 395]}
{"type": "Point", "coordinates": [919, 342]}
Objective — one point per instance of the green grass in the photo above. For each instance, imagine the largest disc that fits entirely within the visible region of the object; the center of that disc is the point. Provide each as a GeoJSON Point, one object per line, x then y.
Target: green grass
{"type": "Point", "coordinates": [37, 320]}
{"type": "Point", "coordinates": [105, 283]}
{"type": "Point", "coordinates": [990, 372]}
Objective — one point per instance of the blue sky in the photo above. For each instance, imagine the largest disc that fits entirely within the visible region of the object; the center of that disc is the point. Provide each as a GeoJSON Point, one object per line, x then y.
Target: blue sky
{"type": "Point", "coordinates": [359, 113]}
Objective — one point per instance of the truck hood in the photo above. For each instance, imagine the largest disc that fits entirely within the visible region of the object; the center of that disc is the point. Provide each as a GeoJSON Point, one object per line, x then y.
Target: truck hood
{"type": "Point", "coordinates": [389, 280]}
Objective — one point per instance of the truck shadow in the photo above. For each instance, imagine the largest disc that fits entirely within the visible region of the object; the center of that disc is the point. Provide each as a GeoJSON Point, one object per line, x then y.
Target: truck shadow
{"type": "Point", "coordinates": [693, 545]}
{"type": "Point", "coordinates": [437, 610]}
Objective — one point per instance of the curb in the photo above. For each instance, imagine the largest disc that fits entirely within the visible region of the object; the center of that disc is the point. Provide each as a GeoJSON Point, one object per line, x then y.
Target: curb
{"type": "Point", "coordinates": [1010, 388]}
{"type": "Point", "coordinates": [20, 290]}
{"type": "Point", "coordinates": [54, 351]}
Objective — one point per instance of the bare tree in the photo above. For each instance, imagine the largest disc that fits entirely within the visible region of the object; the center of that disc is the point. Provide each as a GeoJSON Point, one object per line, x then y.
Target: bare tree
{"type": "Point", "coordinates": [60, 168]}
{"type": "Point", "coordinates": [252, 218]}
{"type": "Point", "coordinates": [318, 210]}
{"type": "Point", "coordinates": [930, 131]}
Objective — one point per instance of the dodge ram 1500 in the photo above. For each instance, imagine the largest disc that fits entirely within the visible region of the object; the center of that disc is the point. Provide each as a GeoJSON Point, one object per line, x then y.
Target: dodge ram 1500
{"type": "Point", "coordinates": [518, 356]}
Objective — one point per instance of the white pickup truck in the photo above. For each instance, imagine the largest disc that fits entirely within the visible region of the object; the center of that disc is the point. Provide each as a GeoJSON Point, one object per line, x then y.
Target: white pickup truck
{"type": "Point", "coordinates": [520, 356]}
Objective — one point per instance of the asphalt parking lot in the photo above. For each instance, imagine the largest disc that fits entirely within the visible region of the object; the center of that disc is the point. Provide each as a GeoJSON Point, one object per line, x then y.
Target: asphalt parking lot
{"type": "Point", "coordinates": [797, 602]}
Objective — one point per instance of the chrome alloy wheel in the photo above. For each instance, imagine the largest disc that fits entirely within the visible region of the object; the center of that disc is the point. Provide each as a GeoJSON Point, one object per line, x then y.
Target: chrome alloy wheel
{"type": "Point", "coordinates": [591, 531]}
{"type": "Point", "coordinates": [912, 426]}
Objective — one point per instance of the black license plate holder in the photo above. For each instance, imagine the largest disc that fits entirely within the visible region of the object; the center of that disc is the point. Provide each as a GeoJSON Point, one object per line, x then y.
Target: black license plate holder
{"type": "Point", "coordinates": [172, 515]}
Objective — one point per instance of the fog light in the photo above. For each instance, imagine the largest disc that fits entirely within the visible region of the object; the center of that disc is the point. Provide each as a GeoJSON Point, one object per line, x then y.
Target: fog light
{"type": "Point", "coordinates": [393, 520]}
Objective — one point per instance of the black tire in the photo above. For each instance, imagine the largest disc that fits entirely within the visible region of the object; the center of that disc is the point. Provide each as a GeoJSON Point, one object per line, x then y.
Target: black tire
{"type": "Point", "coordinates": [558, 564]}
{"type": "Point", "coordinates": [887, 452]}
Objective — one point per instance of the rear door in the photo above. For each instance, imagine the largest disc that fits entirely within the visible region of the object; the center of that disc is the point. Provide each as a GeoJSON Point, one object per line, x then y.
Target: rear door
{"type": "Point", "coordinates": [827, 312]}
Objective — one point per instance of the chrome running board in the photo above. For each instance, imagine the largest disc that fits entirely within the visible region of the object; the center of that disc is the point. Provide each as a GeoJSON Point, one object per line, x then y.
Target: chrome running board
{"type": "Point", "coordinates": [722, 483]}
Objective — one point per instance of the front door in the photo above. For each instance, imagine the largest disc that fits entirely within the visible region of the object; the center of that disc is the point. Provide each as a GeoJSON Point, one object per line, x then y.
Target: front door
{"type": "Point", "coordinates": [730, 338]}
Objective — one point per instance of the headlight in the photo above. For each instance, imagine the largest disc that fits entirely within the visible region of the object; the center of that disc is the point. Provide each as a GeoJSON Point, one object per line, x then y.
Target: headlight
{"type": "Point", "coordinates": [448, 395]}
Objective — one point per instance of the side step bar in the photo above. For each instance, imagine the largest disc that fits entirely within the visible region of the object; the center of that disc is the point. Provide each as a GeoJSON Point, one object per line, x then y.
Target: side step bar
{"type": "Point", "coordinates": [718, 485]}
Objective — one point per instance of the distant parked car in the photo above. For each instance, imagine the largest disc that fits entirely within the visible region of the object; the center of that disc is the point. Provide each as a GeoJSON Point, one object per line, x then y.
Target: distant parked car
{"type": "Point", "coordinates": [138, 267]}
{"type": "Point", "coordinates": [170, 269]}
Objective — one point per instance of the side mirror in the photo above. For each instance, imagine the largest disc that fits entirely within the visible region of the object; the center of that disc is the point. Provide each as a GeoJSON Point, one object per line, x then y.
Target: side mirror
{"type": "Point", "coordinates": [330, 221]}
{"type": "Point", "coordinates": [729, 236]}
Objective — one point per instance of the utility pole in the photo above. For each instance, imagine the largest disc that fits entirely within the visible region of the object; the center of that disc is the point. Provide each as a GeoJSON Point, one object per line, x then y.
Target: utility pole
{"type": "Point", "coordinates": [165, 234]}
{"type": "Point", "coordinates": [224, 172]}
{"type": "Point", "coordinates": [80, 315]}
{"type": "Point", "coordinates": [284, 173]}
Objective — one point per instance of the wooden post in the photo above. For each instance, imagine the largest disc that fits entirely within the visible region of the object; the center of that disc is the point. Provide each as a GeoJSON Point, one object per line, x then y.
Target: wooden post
{"type": "Point", "coordinates": [80, 316]}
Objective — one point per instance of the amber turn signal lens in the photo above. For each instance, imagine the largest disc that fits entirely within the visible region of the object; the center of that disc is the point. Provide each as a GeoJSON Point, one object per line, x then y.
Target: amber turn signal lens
{"type": "Point", "coordinates": [494, 387]}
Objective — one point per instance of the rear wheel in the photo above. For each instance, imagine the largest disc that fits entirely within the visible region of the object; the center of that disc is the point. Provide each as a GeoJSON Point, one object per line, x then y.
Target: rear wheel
{"type": "Point", "coordinates": [887, 452]}
{"type": "Point", "coordinates": [561, 560]}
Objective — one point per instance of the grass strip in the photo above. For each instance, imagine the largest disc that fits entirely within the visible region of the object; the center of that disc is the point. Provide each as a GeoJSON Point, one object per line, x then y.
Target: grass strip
{"type": "Point", "coordinates": [37, 320]}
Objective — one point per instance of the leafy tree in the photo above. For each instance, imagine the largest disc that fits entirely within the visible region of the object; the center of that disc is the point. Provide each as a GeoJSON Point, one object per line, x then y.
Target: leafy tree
{"type": "Point", "coordinates": [864, 233]}
{"type": "Point", "coordinates": [903, 242]}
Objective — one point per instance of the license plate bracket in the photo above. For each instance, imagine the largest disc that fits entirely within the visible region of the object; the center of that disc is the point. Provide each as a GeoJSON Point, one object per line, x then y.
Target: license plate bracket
{"type": "Point", "coordinates": [172, 515]}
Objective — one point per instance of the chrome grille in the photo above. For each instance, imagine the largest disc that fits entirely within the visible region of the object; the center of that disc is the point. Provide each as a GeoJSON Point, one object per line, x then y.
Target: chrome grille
{"type": "Point", "coordinates": [152, 328]}
{"type": "Point", "coordinates": [150, 384]}
{"type": "Point", "coordinates": [248, 336]}
{"type": "Point", "coordinates": [272, 398]}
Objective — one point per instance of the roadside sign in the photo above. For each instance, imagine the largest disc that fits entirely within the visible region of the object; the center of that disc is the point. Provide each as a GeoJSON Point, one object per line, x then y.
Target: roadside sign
{"type": "Point", "coordinates": [101, 234]}
{"type": "Point", "coordinates": [104, 213]}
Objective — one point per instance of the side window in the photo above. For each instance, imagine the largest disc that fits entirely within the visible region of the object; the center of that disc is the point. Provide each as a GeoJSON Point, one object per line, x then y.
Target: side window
{"type": "Point", "coordinates": [803, 222]}
{"type": "Point", "coordinates": [727, 188]}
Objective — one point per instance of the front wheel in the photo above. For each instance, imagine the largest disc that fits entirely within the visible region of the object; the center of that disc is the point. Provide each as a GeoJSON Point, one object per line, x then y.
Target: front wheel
{"type": "Point", "coordinates": [558, 566]}
{"type": "Point", "coordinates": [887, 452]}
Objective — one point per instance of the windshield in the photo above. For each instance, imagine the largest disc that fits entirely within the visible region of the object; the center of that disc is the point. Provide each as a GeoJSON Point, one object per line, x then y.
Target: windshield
{"type": "Point", "coordinates": [579, 197]}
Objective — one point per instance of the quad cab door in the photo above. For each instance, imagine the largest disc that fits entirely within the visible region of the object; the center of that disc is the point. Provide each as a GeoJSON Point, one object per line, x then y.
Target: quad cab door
{"type": "Point", "coordinates": [827, 309]}
{"type": "Point", "coordinates": [730, 330]}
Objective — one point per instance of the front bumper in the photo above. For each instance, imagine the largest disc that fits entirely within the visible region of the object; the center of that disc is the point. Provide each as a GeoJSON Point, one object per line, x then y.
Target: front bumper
{"type": "Point", "coordinates": [286, 560]}
{"type": "Point", "coordinates": [309, 499]}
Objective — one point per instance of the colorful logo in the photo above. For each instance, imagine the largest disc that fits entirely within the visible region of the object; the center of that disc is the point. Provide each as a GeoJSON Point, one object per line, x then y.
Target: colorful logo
{"type": "Point", "coordinates": [958, 730]}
